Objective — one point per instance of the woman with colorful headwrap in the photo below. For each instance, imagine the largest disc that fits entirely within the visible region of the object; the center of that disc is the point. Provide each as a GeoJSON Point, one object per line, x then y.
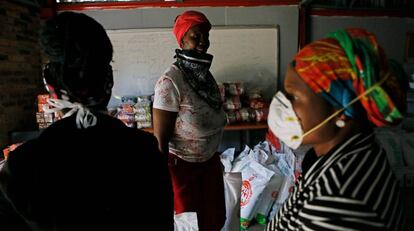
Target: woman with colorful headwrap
{"type": "Point", "coordinates": [189, 122]}
{"type": "Point", "coordinates": [337, 90]}
{"type": "Point", "coordinates": [86, 171]}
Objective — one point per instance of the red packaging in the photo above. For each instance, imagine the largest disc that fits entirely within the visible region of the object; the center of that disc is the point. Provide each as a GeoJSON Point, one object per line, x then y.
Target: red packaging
{"type": "Point", "coordinates": [42, 99]}
{"type": "Point", "coordinates": [258, 103]}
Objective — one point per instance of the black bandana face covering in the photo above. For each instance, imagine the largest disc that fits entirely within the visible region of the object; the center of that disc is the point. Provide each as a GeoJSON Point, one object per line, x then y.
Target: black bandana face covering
{"type": "Point", "coordinates": [195, 68]}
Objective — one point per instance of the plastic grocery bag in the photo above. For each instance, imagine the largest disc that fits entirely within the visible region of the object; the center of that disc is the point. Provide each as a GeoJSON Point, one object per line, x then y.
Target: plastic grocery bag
{"type": "Point", "coordinates": [262, 153]}
{"type": "Point", "coordinates": [242, 159]}
{"type": "Point", "coordinates": [270, 194]}
{"type": "Point", "coordinates": [232, 191]}
{"type": "Point", "coordinates": [227, 158]}
{"type": "Point", "coordinates": [255, 179]}
{"type": "Point", "coordinates": [284, 192]}
{"type": "Point", "coordinates": [186, 222]}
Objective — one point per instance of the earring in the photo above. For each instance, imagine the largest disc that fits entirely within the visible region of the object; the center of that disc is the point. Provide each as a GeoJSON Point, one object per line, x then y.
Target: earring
{"type": "Point", "coordinates": [340, 123]}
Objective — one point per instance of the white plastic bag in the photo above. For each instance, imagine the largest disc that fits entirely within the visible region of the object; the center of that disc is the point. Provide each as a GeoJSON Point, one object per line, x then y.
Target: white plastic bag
{"type": "Point", "coordinates": [242, 159]}
{"type": "Point", "coordinates": [263, 153]}
{"type": "Point", "coordinates": [270, 194]}
{"type": "Point", "coordinates": [255, 178]}
{"type": "Point", "coordinates": [261, 157]}
{"type": "Point", "coordinates": [227, 158]}
{"type": "Point", "coordinates": [186, 222]}
{"type": "Point", "coordinates": [232, 192]}
{"type": "Point", "coordinates": [288, 182]}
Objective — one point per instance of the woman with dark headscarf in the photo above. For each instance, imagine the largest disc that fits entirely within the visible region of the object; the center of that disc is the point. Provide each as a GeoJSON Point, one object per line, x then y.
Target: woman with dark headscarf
{"type": "Point", "coordinates": [189, 122]}
{"type": "Point", "coordinates": [337, 90]}
{"type": "Point", "coordinates": [86, 171]}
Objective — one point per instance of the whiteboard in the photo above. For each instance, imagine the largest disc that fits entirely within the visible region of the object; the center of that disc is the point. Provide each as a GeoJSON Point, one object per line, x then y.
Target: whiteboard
{"type": "Point", "coordinates": [247, 54]}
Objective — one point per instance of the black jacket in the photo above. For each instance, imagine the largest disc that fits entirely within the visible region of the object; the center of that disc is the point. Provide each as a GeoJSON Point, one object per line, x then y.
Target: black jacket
{"type": "Point", "coordinates": [106, 177]}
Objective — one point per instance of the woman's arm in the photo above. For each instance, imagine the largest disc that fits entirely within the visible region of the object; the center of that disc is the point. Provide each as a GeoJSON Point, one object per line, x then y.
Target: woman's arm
{"type": "Point", "coordinates": [164, 124]}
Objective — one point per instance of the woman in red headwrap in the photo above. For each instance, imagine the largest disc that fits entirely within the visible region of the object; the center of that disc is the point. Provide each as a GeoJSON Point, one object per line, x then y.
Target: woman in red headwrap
{"type": "Point", "coordinates": [189, 122]}
{"type": "Point", "coordinates": [337, 90]}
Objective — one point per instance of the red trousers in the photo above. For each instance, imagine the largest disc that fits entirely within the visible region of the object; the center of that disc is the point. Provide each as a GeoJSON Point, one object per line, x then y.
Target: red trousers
{"type": "Point", "coordinates": [199, 187]}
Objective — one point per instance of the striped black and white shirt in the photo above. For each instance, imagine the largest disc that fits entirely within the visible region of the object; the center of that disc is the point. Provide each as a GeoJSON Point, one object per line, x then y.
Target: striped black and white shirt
{"type": "Point", "coordinates": [350, 188]}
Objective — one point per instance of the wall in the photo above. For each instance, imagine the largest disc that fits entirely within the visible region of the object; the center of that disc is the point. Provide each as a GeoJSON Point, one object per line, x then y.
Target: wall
{"type": "Point", "coordinates": [20, 79]}
{"type": "Point", "coordinates": [390, 31]}
{"type": "Point", "coordinates": [285, 16]}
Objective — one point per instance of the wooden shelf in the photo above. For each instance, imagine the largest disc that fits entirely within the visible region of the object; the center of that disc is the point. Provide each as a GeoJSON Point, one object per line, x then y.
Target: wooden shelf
{"type": "Point", "coordinates": [233, 127]}
{"type": "Point", "coordinates": [245, 126]}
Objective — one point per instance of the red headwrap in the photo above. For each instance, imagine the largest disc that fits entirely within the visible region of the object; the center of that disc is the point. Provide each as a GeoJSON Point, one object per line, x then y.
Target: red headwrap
{"type": "Point", "coordinates": [187, 20]}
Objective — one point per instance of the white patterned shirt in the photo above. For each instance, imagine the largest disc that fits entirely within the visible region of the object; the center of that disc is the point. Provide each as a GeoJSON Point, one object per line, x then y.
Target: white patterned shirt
{"type": "Point", "coordinates": [198, 128]}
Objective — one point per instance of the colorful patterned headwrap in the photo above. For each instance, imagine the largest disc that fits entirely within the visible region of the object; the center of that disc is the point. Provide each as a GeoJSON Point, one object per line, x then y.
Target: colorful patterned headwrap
{"type": "Point", "coordinates": [350, 64]}
{"type": "Point", "coordinates": [187, 20]}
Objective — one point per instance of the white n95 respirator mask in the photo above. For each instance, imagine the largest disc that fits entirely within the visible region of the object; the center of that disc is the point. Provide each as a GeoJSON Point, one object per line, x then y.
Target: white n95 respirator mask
{"type": "Point", "coordinates": [283, 122]}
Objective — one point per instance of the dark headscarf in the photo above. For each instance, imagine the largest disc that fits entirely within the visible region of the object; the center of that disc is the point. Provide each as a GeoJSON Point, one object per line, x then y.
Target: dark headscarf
{"type": "Point", "coordinates": [79, 53]}
{"type": "Point", "coordinates": [350, 64]}
{"type": "Point", "coordinates": [195, 68]}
